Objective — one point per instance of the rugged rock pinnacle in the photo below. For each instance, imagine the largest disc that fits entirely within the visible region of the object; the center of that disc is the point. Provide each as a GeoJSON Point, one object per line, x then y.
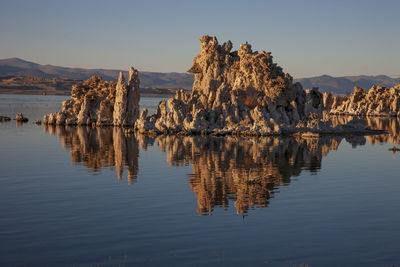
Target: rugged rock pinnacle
{"type": "Point", "coordinates": [102, 103]}
{"type": "Point", "coordinates": [241, 92]}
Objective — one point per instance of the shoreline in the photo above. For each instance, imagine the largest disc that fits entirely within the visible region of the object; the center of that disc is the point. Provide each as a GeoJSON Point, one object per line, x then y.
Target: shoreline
{"type": "Point", "coordinates": [61, 94]}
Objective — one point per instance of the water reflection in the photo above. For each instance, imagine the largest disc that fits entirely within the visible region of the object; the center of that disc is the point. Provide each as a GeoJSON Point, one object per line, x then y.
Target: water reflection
{"type": "Point", "coordinates": [97, 148]}
{"type": "Point", "coordinates": [245, 171]}
{"type": "Point", "coordinates": [391, 125]}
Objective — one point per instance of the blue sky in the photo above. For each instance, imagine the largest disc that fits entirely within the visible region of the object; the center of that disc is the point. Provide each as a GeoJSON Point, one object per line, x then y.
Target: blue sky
{"type": "Point", "coordinates": [306, 38]}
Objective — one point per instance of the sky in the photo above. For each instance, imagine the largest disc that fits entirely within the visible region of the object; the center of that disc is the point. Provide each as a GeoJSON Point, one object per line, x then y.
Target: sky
{"type": "Point", "coordinates": [307, 38]}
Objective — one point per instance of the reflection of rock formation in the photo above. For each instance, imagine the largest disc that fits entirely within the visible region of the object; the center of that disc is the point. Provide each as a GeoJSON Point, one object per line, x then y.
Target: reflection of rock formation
{"type": "Point", "coordinates": [246, 170]}
{"type": "Point", "coordinates": [100, 147]}
{"type": "Point", "coordinates": [390, 125]}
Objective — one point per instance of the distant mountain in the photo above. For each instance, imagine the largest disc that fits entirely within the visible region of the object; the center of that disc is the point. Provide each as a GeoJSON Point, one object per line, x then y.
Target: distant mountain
{"type": "Point", "coordinates": [34, 85]}
{"type": "Point", "coordinates": [19, 67]}
{"type": "Point", "coordinates": [344, 85]}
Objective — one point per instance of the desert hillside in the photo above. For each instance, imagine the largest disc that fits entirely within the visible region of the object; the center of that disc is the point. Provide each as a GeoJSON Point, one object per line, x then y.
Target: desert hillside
{"type": "Point", "coordinates": [25, 77]}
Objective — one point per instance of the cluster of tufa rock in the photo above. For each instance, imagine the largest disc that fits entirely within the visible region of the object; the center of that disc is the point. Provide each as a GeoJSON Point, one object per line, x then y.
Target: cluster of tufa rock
{"type": "Point", "coordinates": [21, 118]}
{"type": "Point", "coordinates": [238, 92]}
{"type": "Point", "coordinates": [100, 103]}
{"type": "Point", "coordinates": [379, 101]}
{"type": "Point", "coordinates": [4, 118]}
{"type": "Point", "coordinates": [234, 92]}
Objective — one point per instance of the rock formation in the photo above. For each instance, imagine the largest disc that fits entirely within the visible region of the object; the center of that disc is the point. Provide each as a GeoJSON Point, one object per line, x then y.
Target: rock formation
{"type": "Point", "coordinates": [20, 118]}
{"type": "Point", "coordinates": [126, 107]}
{"type": "Point", "coordinates": [101, 103]}
{"type": "Point", "coordinates": [4, 118]}
{"type": "Point", "coordinates": [379, 101]}
{"type": "Point", "coordinates": [234, 92]}
{"type": "Point", "coordinates": [239, 92]}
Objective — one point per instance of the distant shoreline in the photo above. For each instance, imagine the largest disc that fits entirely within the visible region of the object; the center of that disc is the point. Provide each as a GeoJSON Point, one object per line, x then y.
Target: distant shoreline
{"type": "Point", "coordinates": [36, 93]}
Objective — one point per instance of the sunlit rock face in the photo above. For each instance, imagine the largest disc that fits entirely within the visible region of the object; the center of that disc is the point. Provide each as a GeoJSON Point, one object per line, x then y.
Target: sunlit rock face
{"type": "Point", "coordinates": [100, 147]}
{"type": "Point", "coordinates": [126, 107]}
{"type": "Point", "coordinates": [21, 118]}
{"type": "Point", "coordinates": [239, 92]}
{"type": "Point", "coordinates": [101, 103]}
{"type": "Point", "coordinates": [378, 102]}
{"type": "Point", "coordinates": [247, 171]}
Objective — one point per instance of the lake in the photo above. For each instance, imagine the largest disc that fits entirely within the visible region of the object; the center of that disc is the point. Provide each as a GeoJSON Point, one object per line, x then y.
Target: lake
{"type": "Point", "coordinates": [81, 196]}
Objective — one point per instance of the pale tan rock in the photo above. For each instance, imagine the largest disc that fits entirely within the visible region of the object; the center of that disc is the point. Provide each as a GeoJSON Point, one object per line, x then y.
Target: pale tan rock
{"type": "Point", "coordinates": [97, 102]}
{"type": "Point", "coordinates": [379, 101]}
{"type": "Point", "coordinates": [121, 101]}
{"type": "Point", "coordinates": [20, 118]}
{"type": "Point", "coordinates": [240, 92]}
{"type": "Point", "coordinates": [4, 118]}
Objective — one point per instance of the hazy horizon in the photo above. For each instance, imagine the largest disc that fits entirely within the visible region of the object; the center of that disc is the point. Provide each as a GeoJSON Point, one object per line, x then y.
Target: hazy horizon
{"type": "Point", "coordinates": [126, 70]}
{"type": "Point", "coordinates": [311, 38]}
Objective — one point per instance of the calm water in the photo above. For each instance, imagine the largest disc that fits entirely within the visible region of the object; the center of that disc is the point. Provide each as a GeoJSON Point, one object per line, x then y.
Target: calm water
{"type": "Point", "coordinates": [76, 196]}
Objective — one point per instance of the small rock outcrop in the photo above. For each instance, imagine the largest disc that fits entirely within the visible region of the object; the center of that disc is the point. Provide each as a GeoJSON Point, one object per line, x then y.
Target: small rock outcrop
{"type": "Point", "coordinates": [237, 92]}
{"type": "Point", "coordinates": [379, 101]}
{"type": "Point", "coordinates": [20, 118]}
{"type": "Point", "coordinates": [126, 106]}
{"type": "Point", "coordinates": [4, 118]}
{"type": "Point", "coordinates": [101, 103]}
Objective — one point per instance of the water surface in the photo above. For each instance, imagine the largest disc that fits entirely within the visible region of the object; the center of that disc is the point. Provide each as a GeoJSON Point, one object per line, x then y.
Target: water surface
{"type": "Point", "coordinates": [78, 196]}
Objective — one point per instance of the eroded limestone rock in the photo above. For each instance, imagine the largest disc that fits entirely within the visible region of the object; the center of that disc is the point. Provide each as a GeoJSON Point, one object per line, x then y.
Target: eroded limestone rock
{"type": "Point", "coordinates": [4, 118]}
{"type": "Point", "coordinates": [379, 101]}
{"type": "Point", "coordinates": [101, 103]}
{"type": "Point", "coordinates": [238, 92]}
{"type": "Point", "coordinates": [20, 118]}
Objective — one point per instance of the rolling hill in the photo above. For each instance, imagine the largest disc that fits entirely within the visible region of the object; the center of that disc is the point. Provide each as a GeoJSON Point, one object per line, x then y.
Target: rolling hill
{"type": "Point", "coordinates": [344, 85]}
{"type": "Point", "coordinates": [51, 79]}
{"type": "Point", "coordinates": [20, 67]}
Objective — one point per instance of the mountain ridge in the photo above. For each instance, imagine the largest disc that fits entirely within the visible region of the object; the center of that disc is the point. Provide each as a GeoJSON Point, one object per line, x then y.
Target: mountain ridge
{"type": "Point", "coordinates": [20, 67]}
{"type": "Point", "coordinates": [327, 83]}
{"type": "Point", "coordinates": [345, 84]}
